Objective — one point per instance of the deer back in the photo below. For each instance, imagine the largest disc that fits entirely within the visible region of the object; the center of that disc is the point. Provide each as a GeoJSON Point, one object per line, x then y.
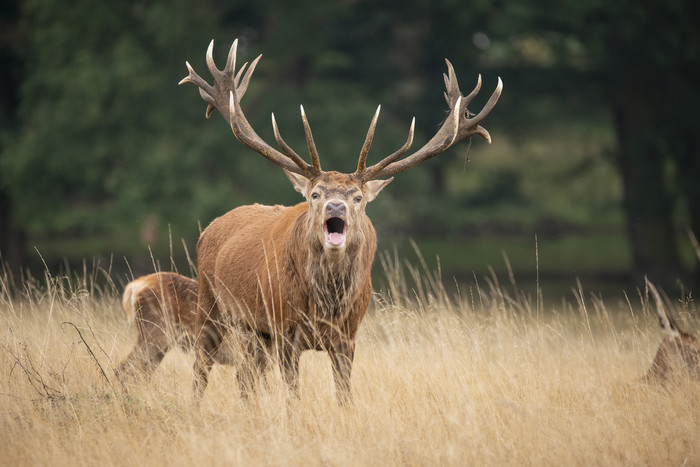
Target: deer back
{"type": "Point", "coordinates": [162, 306]}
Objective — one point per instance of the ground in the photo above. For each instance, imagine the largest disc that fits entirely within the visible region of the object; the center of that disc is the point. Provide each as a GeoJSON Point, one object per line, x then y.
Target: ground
{"type": "Point", "coordinates": [482, 376]}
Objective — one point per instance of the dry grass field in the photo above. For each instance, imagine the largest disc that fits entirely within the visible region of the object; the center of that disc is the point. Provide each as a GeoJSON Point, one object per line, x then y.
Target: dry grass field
{"type": "Point", "coordinates": [484, 376]}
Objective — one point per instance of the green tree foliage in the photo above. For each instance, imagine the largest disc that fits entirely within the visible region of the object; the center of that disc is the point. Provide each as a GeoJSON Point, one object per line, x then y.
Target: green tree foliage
{"type": "Point", "coordinates": [106, 145]}
{"type": "Point", "coordinates": [98, 148]}
{"type": "Point", "coordinates": [644, 60]}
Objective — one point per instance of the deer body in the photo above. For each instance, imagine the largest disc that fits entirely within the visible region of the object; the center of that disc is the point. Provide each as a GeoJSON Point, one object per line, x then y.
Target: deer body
{"type": "Point", "coordinates": [265, 265]}
{"type": "Point", "coordinates": [162, 307]}
{"type": "Point", "coordinates": [677, 355]}
{"type": "Point", "coordinates": [270, 270]}
{"type": "Point", "coordinates": [679, 351]}
{"type": "Point", "coordinates": [289, 279]}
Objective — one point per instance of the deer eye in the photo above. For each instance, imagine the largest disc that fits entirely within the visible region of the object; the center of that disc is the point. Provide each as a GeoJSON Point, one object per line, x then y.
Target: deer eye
{"type": "Point", "coordinates": [315, 195]}
{"type": "Point", "coordinates": [358, 199]}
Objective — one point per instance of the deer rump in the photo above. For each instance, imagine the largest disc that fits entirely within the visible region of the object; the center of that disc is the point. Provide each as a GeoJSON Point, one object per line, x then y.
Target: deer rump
{"type": "Point", "coordinates": [162, 308]}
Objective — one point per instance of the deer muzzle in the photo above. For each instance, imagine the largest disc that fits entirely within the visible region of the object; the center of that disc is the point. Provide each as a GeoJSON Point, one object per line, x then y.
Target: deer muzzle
{"type": "Point", "coordinates": [335, 225]}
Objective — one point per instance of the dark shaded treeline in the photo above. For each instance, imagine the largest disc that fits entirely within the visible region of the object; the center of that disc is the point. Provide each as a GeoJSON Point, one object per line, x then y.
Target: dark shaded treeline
{"type": "Point", "coordinates": [99, 142]}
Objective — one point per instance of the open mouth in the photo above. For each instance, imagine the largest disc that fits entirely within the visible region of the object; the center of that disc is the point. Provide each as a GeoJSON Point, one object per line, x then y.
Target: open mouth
{"type": "Point", "coordinates": [335, 230]}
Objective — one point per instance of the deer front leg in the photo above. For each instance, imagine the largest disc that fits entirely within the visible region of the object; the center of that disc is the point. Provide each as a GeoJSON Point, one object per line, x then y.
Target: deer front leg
{"type": "Point", "coordinates": [207, 344]}
{"type": "Point", "coordinates": [202, 367]}
{"type": "Point", "coordinates": [342, 356]}
{"type": "Point", "coordinates": [288, 355]}
{"type": "Point", "coordinates": [253, 362]}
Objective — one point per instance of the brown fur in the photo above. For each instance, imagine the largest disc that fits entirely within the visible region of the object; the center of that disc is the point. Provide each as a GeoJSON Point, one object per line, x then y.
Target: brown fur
{"type": "Point", "coordinates": [162, 306]}
{"type": "Point", "coordinates": [678, 353]}
{"type": "Point", "coordinates": [276, 273]}
{"type": "Point", "coordinates": [268, 271]}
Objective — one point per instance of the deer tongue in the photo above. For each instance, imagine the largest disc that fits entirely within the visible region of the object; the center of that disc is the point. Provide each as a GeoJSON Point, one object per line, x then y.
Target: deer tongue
{"type": "Point", "coordinates": [335, 238]}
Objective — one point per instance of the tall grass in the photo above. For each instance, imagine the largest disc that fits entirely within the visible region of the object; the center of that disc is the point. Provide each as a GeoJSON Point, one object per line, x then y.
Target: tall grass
{"type": "Point", "coordinates": [487, 375]}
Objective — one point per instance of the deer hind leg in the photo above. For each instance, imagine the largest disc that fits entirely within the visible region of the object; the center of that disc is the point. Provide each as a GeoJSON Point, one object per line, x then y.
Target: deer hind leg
{"type": "Point", "coordinates": [142, 361]}
{"type": "Point", "coordinates": [208, 337]}
{"type": "Point", "coordinates": [342, 356]}
{"type": "Point", "coordinates": [150, 348]}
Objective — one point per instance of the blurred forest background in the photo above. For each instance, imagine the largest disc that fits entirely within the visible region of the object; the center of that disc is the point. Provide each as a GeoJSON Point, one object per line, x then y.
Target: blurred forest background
{"type": "Point", "coordinates": [596, 150]}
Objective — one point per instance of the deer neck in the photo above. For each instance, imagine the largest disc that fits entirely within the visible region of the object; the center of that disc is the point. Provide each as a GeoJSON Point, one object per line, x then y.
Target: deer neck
{"type": "Point", "coordinates": [332, 284]}
{"type": "Point", "coordinates": [331, 276]}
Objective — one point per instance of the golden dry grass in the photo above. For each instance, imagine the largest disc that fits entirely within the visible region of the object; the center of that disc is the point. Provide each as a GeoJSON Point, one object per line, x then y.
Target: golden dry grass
{"type": "Point", "coordinates": [487, 377]}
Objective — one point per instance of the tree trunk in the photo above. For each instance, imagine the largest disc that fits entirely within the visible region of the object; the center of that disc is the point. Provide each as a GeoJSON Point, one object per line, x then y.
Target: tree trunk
{"type": "Point", "coordinates": [687, 158]}
{"type": "Point", "coordinates": [648, 203]}
{"type": "Point", "coordinates": [12, 241]}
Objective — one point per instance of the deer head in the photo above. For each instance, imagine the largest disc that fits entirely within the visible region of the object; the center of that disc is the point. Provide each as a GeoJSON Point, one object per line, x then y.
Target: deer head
{"type": "Point", "coordinates": [336, 206]}
{"type": "Point", "coordinates": [337, 201]}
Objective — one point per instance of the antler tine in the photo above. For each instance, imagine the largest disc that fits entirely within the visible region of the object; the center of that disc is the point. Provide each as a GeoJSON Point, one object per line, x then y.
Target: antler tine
{"type": "Point", "coordinates": [665, 320]}
{"type": "Point", "coordinates": [369, 173]}
{"type": "Point", "coordinates": [471, 126]}
{"type": "Point", "coordinates": [442, 140]}
{"type": "Point", "coordinates": [194, 78]}
{"type": "Point", "coordinates": [285, 147]}
{"type": "Point", "coordinates": [206, 91]}
{"type": "Point", "coordinates": [231, 58]}
{"type": "Point", "coordinates": [225, 95]}
{"type": "Point", "coordinates": [468, 99]}
{"type": "Point", "coordinates": [456, 127]}
{"type": "Point", "coordinates": [210, 58]}
{"type": "Point", "coordinates": [315, 160]}
{"type": "Point", "coordinates": [490, 104]}
{"type": "Point", "coordinates": [361, 162]}
{"type": "Point", "coordinates": [242, 84]}
{"type": "Point", "coordinates": [237, 80]}
{"type": "Point", "coordinates": [246, 135]}
{"type": "Point", "coordinates": [452, 87]}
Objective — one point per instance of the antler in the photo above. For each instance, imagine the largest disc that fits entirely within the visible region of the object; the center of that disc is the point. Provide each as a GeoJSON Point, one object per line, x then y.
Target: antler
{"type": "Point", "coordinates": [456, 127]}
{"type": "Point", "coordinates": [225, 96]}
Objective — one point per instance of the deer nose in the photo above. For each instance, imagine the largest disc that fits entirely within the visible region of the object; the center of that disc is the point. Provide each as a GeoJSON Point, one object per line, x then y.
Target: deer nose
{"type": "Point", "coordinates": [335, 209]}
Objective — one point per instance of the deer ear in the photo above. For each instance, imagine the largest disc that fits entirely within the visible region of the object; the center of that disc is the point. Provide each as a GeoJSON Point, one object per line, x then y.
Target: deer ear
{"type": "Point", "coordinates": [300, 182]}
{"type": "Point", "coordinates": [373, 187]}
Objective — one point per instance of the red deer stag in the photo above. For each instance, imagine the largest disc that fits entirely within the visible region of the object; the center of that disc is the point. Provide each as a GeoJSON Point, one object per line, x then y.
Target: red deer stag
{"type": "Point", "coordinates": [298, 278]}
{"type": "Point", "coordinates": [679, 352]}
